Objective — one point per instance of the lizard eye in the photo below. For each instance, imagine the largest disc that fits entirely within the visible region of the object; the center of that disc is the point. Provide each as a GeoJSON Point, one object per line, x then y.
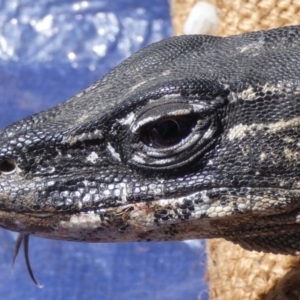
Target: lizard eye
{"type": "Point", "coordinates": [7, 166]}
{"type": "Point", "coordinates": [167, 132]}
{"type": "Point", "coordinates": [170, 134]}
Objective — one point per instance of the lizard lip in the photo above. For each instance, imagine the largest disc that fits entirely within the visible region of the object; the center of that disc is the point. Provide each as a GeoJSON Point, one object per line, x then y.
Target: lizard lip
{"type": "Point", "coordinates": [39, 214]}
{"type": "Point", "coordinates": [202, 214]}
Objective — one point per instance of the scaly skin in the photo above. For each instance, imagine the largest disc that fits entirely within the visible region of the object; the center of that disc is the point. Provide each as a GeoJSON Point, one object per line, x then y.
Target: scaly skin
{"type": "Point", "coordinates": [192, 137]}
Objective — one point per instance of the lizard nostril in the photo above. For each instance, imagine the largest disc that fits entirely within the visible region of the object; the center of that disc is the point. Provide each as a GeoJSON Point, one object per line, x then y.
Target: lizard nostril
{"type": "Point", "coordinates": [7, 166]}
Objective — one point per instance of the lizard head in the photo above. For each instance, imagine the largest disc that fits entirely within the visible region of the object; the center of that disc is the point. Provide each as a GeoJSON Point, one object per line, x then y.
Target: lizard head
{"type": "Point", "coordinates": [192, 137]}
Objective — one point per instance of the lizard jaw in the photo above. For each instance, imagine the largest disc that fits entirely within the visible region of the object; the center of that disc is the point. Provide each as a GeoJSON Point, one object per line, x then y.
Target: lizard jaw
{"type": "Point", "coordinates": [204, 214]}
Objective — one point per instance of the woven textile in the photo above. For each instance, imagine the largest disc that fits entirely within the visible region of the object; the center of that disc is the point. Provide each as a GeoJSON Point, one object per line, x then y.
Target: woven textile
{"type": "Point", "coordinates": [239, 16]}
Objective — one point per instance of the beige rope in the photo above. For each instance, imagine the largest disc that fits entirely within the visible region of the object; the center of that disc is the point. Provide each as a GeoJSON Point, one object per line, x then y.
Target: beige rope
{"type": "Point", "coordinates": [256, 15]}
{"type": "Point", "coordinates": [238, 16]}
{"type": "Point", "coordinates": [235, 273]}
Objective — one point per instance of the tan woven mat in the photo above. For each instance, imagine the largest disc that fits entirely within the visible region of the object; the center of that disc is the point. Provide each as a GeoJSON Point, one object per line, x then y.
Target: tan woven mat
{"type": "Point", "coordinates": [238, 16]}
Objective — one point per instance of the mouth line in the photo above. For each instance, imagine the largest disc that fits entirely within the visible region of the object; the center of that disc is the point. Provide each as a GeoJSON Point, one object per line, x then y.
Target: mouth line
{"type": "Point", "coordinates": [283, 202]}
{"type": "Point", "coordinates": [267, 230]}
{"type": "Point", "coordinates": [184, 217]}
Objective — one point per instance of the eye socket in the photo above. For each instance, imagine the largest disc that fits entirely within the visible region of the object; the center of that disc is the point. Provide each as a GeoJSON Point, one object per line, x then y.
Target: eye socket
{"type": "Point", "coordinates": [168, 132]}
{"type": "Point", "coordinates": [7, 166]}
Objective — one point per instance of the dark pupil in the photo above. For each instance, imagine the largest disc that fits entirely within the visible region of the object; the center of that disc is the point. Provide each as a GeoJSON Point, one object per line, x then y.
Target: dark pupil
{"type": "Point", "coordinates": [168, 132]}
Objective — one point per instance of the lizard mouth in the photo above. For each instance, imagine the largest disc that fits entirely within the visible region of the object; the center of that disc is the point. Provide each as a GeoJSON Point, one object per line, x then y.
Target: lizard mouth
{"type": "Point", "coordinates": [208, 213]}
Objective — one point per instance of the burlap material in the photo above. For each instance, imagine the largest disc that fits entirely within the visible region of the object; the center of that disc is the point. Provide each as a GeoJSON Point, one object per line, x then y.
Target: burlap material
{"type": "Point", "coordinates": [234, 273]}
{"type": "Point", "coordinates": [238, 16]}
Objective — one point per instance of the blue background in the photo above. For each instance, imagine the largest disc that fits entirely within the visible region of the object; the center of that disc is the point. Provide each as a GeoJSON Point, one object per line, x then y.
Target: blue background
{"type": "Point", "coordinates": [50, 50]}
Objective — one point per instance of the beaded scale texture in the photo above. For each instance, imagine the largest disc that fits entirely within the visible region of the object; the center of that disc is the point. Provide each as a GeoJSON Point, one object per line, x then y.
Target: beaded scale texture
{"type": "Point", "coordinates": [191, 137]}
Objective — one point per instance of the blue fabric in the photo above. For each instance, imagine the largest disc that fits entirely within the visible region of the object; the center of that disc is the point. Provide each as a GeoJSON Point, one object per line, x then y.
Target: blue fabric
{"type": "Point", "coordinates": [50, 50]}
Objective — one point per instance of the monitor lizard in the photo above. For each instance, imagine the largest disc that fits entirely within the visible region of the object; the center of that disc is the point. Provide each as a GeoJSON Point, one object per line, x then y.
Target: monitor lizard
{"type": "Point", "coordinates": [191, 137]}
